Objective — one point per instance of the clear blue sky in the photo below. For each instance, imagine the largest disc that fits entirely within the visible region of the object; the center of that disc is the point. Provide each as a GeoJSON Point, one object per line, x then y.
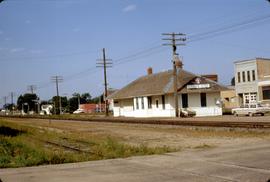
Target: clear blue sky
{"type": "Point", "coordinates": [42, 38]}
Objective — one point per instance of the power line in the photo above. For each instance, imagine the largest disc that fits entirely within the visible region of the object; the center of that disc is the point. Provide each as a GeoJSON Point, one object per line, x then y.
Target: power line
{"type": "Point", "coordinates": [228, 29]}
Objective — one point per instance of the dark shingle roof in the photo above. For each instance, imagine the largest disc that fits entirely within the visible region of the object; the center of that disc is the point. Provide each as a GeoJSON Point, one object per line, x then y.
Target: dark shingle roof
{"type": "Point", "coordinates": [155, 84]}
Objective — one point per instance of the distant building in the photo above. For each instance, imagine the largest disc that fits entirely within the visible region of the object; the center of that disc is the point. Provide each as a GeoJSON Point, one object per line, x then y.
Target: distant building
{"type": "Point", "coordinates": [229, 99]}
{"type": "Point", "coordinates": [252, 81]}
{"type": "Point", "coordinates": [153, 95]}
{"type": "Point", "coordinates": [92, 108]}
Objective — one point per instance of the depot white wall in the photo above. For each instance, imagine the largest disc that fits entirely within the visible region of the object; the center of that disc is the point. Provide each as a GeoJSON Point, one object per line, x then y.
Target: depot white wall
{"type": "Point", "coordinates": [128, 108]}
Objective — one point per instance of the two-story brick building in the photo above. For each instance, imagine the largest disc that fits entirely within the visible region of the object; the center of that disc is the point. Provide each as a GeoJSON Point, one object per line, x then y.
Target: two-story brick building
{"type": "Point", "coordinates": [252, 81]}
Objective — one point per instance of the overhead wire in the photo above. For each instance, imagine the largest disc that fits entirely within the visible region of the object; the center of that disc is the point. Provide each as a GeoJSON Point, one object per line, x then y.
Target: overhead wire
{"type": "Point", "coordinates": [158, 48]}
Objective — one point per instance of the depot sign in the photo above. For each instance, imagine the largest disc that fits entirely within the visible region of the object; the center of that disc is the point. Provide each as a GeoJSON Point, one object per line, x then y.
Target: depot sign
{"type": "Point", "coordinates": [198, 86]}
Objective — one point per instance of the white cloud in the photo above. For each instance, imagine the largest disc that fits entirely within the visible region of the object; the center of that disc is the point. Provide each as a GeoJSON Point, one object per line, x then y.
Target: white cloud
{"type": "Point", "coordinates": [14, 50]}
{"type": "Point", "coordinates": [129, 8]}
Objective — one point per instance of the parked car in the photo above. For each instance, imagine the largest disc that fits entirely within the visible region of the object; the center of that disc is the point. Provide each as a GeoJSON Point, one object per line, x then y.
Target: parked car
{"type": "Point", "coordinates": [187, 113]}
{"type": "Point", "coordinates": [251, 110]}
{"type": "Point", "coordinates": [79, 111]}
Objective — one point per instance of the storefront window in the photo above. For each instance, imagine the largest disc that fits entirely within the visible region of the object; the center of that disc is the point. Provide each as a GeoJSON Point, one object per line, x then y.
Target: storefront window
{"type": "Point", "coordinates": [248, 76]}
{"type": "Point", "coordinates": [266, 92]}
{"type": "Point", "coordinates": [253, 75]}
{"type": "Point", "coordinates": [238, 77]}
{"type": "Point", "coordinates": [243, 76]}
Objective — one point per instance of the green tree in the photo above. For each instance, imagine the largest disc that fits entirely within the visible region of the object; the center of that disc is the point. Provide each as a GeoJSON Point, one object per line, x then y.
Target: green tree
{"type": "Point", "coordinates": [64, 103]}
{"type": "Point", "coordinates": [97, 99]}
{"type": "Point", "coordinates": [26, 101]}
{"type": "Point", "coordinates": [86, 98]}
{"type": "Point", "coordinates": [77, 99]}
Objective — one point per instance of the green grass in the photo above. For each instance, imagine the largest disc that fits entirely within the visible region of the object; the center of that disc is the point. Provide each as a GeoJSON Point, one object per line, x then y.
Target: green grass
{"type": "Point", "coordinates": [28, 147]}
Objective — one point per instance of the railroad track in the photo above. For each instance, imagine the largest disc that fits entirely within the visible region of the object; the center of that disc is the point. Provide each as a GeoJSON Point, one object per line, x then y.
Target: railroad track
{"type": "Point", "coordinates": [60, 145]}
{"type": "Point", "coordinates": [165, 121]}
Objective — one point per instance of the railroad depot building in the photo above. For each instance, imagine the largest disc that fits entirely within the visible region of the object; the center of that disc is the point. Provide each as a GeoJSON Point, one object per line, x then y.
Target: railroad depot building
{"type": "Point", "coordinates": [153, 95]}
{"type": "Point", "coordinates": [252, 81]}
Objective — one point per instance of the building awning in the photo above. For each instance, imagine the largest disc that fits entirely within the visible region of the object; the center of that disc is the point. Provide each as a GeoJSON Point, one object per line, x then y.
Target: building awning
{"type": "Point", "coordinates": [264, 83]}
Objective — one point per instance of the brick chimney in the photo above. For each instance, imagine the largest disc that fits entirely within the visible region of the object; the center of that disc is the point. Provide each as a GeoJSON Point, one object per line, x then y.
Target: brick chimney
{"type": "Point", "coordinates": [213, 77]}
{"type": "Point", "coordinates": [149, 71]}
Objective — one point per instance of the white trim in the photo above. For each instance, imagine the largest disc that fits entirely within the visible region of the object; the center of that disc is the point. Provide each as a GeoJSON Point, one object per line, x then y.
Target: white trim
{"type": "Point", "coordinates": [264, 83]}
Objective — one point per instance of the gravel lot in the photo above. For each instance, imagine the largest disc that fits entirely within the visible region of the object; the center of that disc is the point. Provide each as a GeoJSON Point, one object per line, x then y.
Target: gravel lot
{"type": "Point", "coordinates": [179, 137]}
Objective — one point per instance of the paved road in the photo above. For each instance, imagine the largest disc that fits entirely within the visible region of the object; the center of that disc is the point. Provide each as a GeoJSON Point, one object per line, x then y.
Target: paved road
{"type": "Point", "coordinates": [230, 164]}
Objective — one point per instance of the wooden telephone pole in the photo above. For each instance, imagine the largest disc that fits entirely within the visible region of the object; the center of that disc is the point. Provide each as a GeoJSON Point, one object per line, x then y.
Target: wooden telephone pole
{"type": "Point", "coordinates": [31, 88]}
{"type": "Point", "coordinates": [57, 80]}
{"type": "Point", "coordinates": [173, 38]}
{"type": "Point", "coordinates": [105, 63]}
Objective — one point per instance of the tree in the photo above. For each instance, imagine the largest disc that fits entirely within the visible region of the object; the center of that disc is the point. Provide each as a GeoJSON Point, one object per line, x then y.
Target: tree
{"type": "Point", "coordinates": [233, 81]}
{"type": "Point", "coordinates": [73, 102]}
{"type": "Point", "coordinates": [28, 101]}
{"type": "Point", "coordinates": [98, 99]}
{"type": "Point", "coordinates": [9, 106]}
{"type": "Point", "coordinates": [77, 99]}
{"type": "Point", "coordinates": [86, 97]}
{"type": "Point", "coordinates": [64, 103]}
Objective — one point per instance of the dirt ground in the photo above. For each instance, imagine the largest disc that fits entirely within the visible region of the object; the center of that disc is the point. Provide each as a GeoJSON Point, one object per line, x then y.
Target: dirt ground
{"type": "Point", "coordinates": [179, 137]}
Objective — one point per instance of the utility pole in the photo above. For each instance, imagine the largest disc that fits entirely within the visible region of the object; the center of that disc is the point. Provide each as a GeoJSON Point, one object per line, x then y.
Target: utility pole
{"type": "Point", "coordinates": [31, 88]}
{"type": "Point", "coordinates": [79, 100]}
{"type": "Point", "coordinates": [57, 80]}
{"type": "Point", "coordinates": [105, 63]}
{"type": "Point", "coordinates": [5, 101]}
{"type": "Point", "coordinates": [11, 97]}
{"type": "Point", "coordinates": [174, 38]}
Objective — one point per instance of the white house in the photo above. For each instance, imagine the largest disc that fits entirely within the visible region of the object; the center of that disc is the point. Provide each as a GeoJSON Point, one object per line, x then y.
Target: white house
{"type": "Point", "coordinates": [152, 95]}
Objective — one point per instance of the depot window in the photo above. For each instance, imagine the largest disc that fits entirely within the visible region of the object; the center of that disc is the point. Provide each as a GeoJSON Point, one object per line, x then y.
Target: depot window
{"type": "Point", "coordinates": [184, 100]}
{"type": "Point", "coordinates": [163, 101]}
{"type": "Point", "coordinates": [137, 103]}
{"type": "Point", "coordinates": [149, 99]}
{"type": "Point", "coordinates": [203, 100]}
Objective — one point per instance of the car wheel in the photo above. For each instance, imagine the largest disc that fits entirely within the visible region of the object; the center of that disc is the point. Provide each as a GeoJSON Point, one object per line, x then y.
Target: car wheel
{"type": "Point", "coordinates": [262, 114]}
{"type": "Point", "coordinates": [250, 114]}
